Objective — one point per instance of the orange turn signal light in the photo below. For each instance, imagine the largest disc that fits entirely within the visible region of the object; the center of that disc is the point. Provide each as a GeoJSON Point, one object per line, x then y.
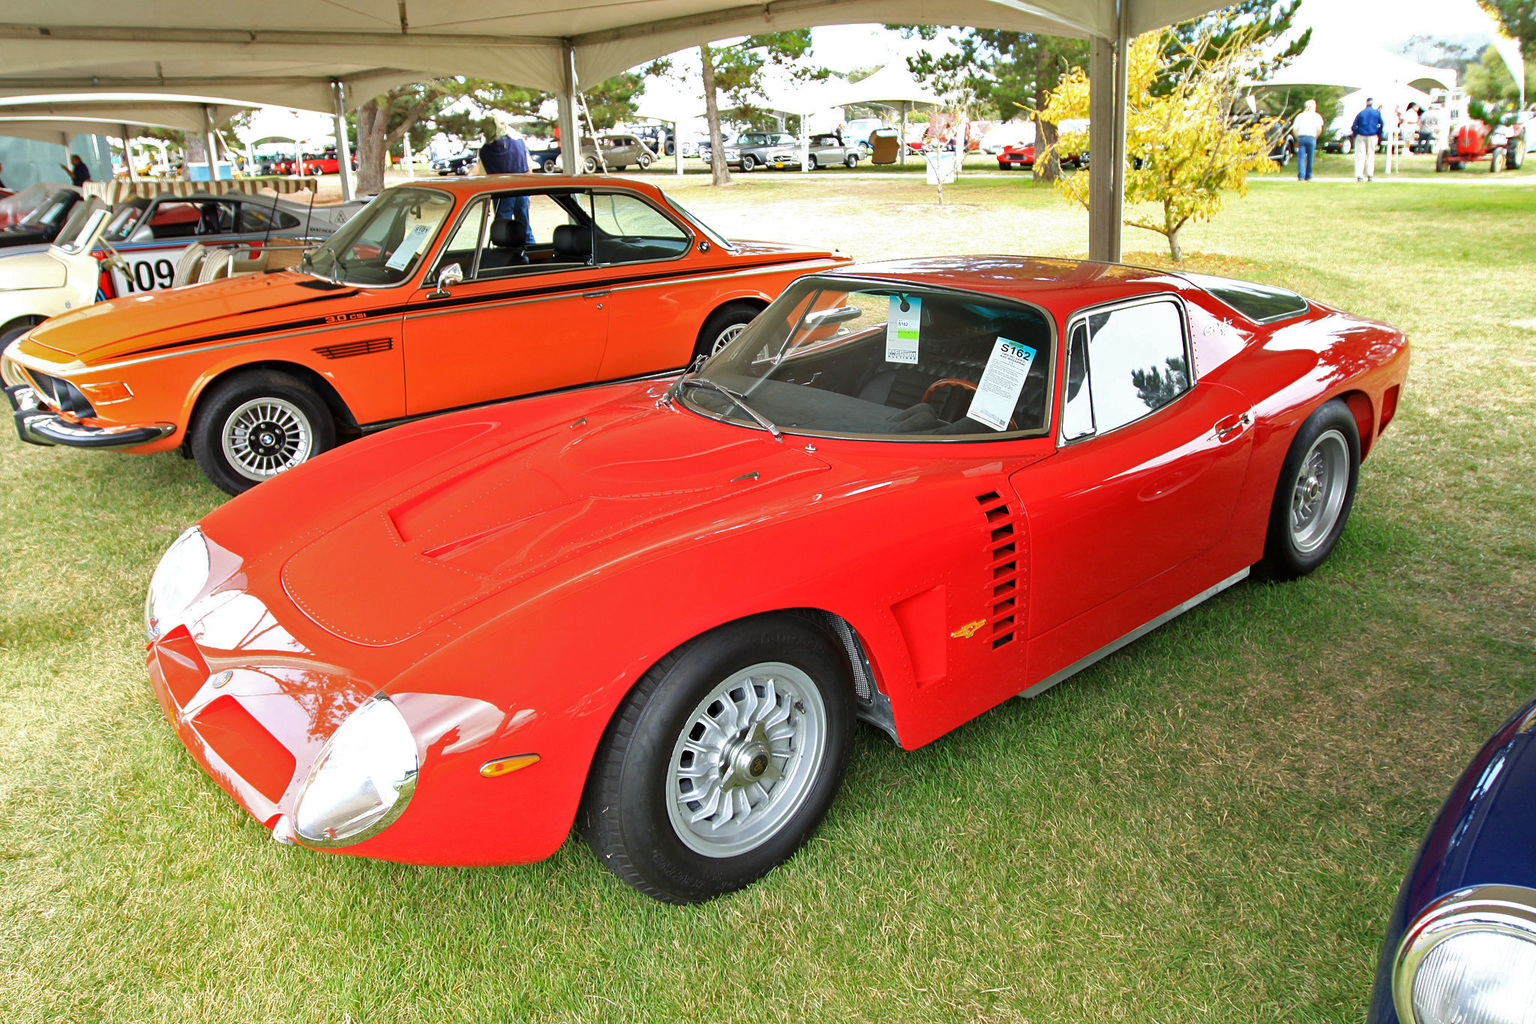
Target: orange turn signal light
{"type": "Point", "coordinates": [106, 394]}
{"type": "Point", "coordinates": [507, 765]}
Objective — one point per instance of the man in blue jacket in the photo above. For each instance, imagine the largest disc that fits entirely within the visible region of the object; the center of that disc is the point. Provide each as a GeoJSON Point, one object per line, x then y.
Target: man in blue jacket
{"type": "Point", "coordinates": [507, 154]}
{"type": "Point", "coordinates": [1367, 132]}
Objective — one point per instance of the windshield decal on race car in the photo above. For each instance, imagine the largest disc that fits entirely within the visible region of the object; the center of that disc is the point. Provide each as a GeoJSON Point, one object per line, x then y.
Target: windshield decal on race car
{"type": "Point", "coordinates": [408, 246]}
{"type": "Point", "coordinates": [1001, 383]}
{"type": "Point", "coordinates": [903, 328]}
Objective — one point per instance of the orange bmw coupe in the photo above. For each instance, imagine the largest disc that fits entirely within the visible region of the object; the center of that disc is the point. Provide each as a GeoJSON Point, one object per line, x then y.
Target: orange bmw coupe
{"type": "Point", "coordinates": [438, 295]}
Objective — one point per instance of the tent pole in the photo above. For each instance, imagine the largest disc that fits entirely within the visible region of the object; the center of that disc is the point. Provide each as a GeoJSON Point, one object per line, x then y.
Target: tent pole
{"type": "Point", "coordinates": [1101, 179]}
{"type": "Point", "coordinates": [901, 143]}
{"type": "Point", "coordinates": [213, 169]}
{"type": "Point", "coordinates": [677, 147]}
{"type": "Point", "coordinates": [128, 154]}
{"type": "Point", "coordinates": [570, 134]}
{"type": "Point", "coordinates": [343, 148]}
{"type": "Point", "coordinates": [1122, 87]}
{"type": "Point", "coordinates": [410, 161]}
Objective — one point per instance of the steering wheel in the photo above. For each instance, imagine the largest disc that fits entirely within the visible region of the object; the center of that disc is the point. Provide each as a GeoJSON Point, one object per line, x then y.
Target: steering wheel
{"type": "Point", "coordinates": [957, 382]}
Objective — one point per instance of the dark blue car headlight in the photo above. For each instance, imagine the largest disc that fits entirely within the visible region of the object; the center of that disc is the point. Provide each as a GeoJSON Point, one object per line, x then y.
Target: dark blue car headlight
{"type": "Point", "coordinates": [1470, 958]}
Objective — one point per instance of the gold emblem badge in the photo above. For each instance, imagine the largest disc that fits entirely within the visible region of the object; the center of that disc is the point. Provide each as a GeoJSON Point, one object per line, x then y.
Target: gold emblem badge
{"type": "Point", "coordinates": [968, 630]}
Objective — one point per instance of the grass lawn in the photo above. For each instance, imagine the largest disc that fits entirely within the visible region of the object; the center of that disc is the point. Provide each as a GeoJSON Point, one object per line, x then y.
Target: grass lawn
{"type": "Point", "coordinates": [1208, 825]}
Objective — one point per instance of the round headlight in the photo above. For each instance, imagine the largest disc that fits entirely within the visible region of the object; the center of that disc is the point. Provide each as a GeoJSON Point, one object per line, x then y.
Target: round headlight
{"type": "Point", "coordinates": [362, 779]}
{"type": "Point", "coordinates": [1470, 958]}
{"type": "Point", "coordinates": [180, 577]}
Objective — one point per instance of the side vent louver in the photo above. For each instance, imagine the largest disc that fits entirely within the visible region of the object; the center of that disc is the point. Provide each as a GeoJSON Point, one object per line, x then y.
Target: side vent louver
{"type": "Point", "coordinates": [356, 348]}
{"type": "Point", "coordinates": [1004, 540]}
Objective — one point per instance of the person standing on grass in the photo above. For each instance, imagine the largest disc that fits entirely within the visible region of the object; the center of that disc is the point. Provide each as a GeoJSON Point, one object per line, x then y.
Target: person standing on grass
{"type": "Point", "coordinates": [1367, 132]}
{"type": "Point", "coordinates": [1307, 126]}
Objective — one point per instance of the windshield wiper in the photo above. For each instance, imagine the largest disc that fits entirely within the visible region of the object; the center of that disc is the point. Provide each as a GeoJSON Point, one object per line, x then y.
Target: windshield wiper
{"type": "Point", "coordinates": [740, 400]}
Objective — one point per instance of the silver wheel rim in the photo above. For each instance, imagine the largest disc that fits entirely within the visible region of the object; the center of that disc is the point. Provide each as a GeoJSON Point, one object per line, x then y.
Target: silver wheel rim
{"type": "Point", "coordinates": [726, 337]}
{"type": "Point", "coordinates": [1318, 496]}
{"type": "Point", "coordinates": [265, 436]}
{"type": "Point", "coordinates": [747, 760]}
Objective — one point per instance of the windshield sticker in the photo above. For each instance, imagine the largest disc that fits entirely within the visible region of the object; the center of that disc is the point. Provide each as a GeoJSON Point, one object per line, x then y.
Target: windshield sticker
{"type": "Point", "coordinates": [408, 246]}
{"type": "Point", "coordinates": [902, 329]}
{"type": "Point", "coordinates": [1001, 383]}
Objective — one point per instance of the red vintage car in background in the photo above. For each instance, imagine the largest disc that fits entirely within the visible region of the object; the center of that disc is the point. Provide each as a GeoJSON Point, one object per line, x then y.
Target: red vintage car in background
{"type": "Point", "coordinates": [905, 493]}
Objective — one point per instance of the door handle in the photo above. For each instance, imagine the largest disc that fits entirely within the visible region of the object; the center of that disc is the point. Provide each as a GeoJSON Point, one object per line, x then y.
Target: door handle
{"type": "Point", "coordinates": [596, 295]}
{"type": "Point", "coordinates": [1227, 429]}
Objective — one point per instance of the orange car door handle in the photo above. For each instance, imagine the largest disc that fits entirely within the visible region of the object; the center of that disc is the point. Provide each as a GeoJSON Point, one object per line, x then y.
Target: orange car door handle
{"type": "Point", "coordinates": [595, 295]}
{"type": "Point", "coordinates": [1231, 427]}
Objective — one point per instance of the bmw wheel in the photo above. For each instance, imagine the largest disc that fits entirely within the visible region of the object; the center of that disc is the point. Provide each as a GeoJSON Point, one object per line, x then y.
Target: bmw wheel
{"type": "Point", "coordinates": [1314, 495]}
{"type": "Point", "coordinates": [253, 426]}
{"type": "Point", "coordinates": [722, 760]}
{"type": "Point", "coordinates": [722, 327]}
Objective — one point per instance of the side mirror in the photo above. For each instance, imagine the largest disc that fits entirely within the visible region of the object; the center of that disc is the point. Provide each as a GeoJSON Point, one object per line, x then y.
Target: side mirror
{"type": "Point", "coordinates": [451, 274]}
{"type": "Point", "coordinates": [836, 315]}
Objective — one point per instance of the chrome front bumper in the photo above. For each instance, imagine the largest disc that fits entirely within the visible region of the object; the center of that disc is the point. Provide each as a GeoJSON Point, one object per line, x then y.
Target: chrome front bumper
{"type": "Point", "coordinates": [36, 424]}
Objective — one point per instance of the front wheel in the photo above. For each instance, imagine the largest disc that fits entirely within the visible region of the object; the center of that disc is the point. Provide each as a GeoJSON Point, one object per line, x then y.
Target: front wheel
{"type": "Point", "coordinates": [256, 425]}
{"type": "Point", "coordinates": [810, 162]}
{"type": "Point", "coordinates": [722, 327]}
{"type": "Point", "coordinates": [851, 161]}
{"type": "Point", "coordinates": [589, 165]}
{"type": "Point", "coordinates": [722, 760]}
{"type": "Point", "coordinates": [747, 162]}
{"type": "Point", "coordinates": [644, 161]}
{"type": "Point", "coordinates": [1314, 495]}
{"type": "Point", "coordinates": [1515, 154]}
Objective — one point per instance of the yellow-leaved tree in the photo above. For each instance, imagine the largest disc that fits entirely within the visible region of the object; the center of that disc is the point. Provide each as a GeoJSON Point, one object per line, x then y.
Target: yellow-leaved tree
{"type": "Point", "coordinates": [1182, 145]}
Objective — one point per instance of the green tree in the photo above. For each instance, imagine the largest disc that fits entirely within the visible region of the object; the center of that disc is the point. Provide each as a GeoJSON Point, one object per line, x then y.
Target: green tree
{"type": "Point", "coordinates": [1185, 151]}
{"type": "Point", "coordinates": [383, 120]}
{"type": "Point", "coordinates": [1247, 23]}
{"type": "Point", "coordinates": [736, 69]}
{"type": "Point", "coordinates": [1489, 81]}
{"type": "Point", "coordinates": [1519, 20]}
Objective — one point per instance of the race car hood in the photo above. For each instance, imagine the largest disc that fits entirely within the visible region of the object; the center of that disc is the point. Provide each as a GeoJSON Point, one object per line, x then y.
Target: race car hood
{"type": "Point", "coordinates": [133, 324]}
{"type": "Point", "coordinates": [622, 479]}
{"type": "Point", "coordinates": [755, 248]}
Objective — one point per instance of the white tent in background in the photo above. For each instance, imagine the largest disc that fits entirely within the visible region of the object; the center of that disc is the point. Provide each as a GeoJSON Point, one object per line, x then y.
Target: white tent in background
{"type": "Point", "coordinates": [329, 56]}
{"type": "Point", "coordinates": [1356, 66]}
{"type": "Point", "coordinates": [894, 87]}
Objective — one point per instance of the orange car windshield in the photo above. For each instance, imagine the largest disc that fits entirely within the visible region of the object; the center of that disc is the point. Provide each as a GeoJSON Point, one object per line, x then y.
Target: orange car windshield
{"type": "Point", "coordinates": [384, 243]}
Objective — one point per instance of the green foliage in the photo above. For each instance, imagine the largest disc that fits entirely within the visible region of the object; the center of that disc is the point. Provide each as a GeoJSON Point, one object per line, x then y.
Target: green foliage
{"type": "Point", "coordinates": [1519, 20]}
{"type": "Point", "coordinates": [1286, 103]}
{"type": "Point", "coordinates": [1489, 80]}
{"type": "Point", "coordinates": [736, 69]}
{"type": "Point", "coordinates": [1247, 23]}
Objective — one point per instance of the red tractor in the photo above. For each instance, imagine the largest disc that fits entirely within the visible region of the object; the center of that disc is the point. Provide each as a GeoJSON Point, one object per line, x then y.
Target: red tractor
{"type": "Point", "coordinates": [1466, 140]}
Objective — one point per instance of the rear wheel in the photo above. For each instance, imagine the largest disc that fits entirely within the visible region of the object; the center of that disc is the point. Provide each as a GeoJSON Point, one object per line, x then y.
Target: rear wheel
{"type": "Point", "coordinates": [1441, 163]}
{"type": "Point", "coordinates": [1314, 495]}
{"type": "Point", "coordinates": [1514, 156]}
{"type": "Point", "coordinates": [1496, 160]}
{"type": "Point", "coordinates": [722, 327]}
{"type": "Point", "coordinates": [253, 426]}
{"type": "Point", "coordinates": [722, 761]}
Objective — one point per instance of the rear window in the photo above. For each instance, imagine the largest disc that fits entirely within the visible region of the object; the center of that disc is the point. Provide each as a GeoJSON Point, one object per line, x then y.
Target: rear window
{"type": "Point", "coordinates": [1260, 303]}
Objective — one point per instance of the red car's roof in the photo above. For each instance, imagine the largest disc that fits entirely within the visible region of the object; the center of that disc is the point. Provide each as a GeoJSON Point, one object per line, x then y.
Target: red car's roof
{"type": "Point", "coordinates": [1058, 284]}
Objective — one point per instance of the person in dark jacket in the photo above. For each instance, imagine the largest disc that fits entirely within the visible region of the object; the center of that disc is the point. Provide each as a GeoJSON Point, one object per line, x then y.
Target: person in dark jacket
{"type": "Point", "coordinates": [506, 154]}
{"type": "Point", "coordinates": [1367, 132]}
{"type": "Point", "coordinates": [76, 169]}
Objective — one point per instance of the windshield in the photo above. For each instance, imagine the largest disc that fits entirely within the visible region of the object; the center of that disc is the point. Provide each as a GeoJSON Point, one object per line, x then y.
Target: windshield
{"type": "Point", "coordinates": [82, 225]}
{"type": "Point", "coordinates": [709, 232]}
{"type": "Point", "coordinates": [51, 212]}
{"type": "Point", "coordinates": [385, 242]}
{"type": "Point", "coordinates": [124, 219]}
{"type": "Point", "coordinates": [866, 359]}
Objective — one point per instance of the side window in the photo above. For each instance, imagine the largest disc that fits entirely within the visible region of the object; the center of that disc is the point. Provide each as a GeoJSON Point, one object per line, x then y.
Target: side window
{"type": "Point", "coordinates": [467, 238]}
{"type": "Point", "coordinates": [254, 217]}
{"type": "Point", "coordinates": [1137, 363]}
{"type": "Point", "coordinates": [1077, 415]}
{"type": "Point", "coordinates": [630, 230]}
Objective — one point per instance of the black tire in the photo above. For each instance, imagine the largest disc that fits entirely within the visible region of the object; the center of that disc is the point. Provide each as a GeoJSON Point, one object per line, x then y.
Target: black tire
{"type": "Point", "coordinates": [1496, 160]}
{"type": "Point", "coordinates": [1440, 162]}
{"type": "Point", "coordinates": [851, 161]}
{"type": "Point", "coordinates": [722, 327]}
{"type": "Point", "coordinates": [748, 161]}
{"type": "Point", "coordinates": [1315, 492]}
{"type": "Point", "coordinates": [16, 328]}
{"type": "Point", "coordinates": [810, 161]}
{"type": "Point", "coordinates": [254, 425]}
{"type": "Point", "coordinates": [671, 149]}
{"type": "Point", "coordinates": [680, 732]}
{"type": "Point", "coordinates": [644, 161]}
{"type": "Point", "coordinates": [1514, 156]}
{"type": "Point", "coordinates": [589, 165]}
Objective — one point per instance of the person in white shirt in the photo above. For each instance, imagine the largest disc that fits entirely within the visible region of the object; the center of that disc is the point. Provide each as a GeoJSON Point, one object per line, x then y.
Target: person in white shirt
{"type": "Point", "coordinates": [1307, 126]}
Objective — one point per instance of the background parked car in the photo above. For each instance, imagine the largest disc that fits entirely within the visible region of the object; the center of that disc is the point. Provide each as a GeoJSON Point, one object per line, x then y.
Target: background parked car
{"type": "Point", "coordinates": [615, 151]}
{"type": "Point", "coordinates": [827, 150]}
{"type": "Point", "coordinates": [460, 164]}
{"type": "Point", "coordinates": [37, 213]}
{"type": "Point", "coordinates": [1460, 944]}
{"type": "Point", "coordinates": [756, 149]}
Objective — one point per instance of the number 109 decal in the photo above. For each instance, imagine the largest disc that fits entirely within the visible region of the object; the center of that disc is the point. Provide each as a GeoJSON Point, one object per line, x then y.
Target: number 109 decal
{"type": "Point", "coordinates": [145, 273]}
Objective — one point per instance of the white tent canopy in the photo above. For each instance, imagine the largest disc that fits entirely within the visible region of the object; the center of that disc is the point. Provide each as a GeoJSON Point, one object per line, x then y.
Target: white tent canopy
{"type": "Point", "coordinates": [325, 56]}
{"type": "Point", "coordinates": [184, 113]}
{"type": "Point", "coordinates": [1357, 66]}
{"type": "Point", "coordinates": [891, 86]}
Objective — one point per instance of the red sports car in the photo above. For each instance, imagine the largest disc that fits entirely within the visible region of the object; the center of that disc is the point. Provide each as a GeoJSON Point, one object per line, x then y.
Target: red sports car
{"type": "Point", "coordinates": [906, 493]}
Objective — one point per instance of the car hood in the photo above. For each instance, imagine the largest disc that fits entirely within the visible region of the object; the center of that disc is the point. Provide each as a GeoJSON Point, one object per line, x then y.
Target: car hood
{"type": "Point", "coordinates": [623, 479]}
{"type": "Point", "coordinates": [30, 270]}
{"type": "Point", "coordinates": [135, 323]}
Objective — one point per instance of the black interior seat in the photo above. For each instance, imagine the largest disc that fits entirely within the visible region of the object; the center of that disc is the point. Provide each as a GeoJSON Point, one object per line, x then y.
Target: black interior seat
{"type": "Point", "coordinates": [573, 244]}
{"type": "Point", "coordinates": [508, 238]}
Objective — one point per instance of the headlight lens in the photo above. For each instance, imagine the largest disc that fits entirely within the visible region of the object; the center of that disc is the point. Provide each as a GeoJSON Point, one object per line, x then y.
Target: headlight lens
{"type": "Point", "coordinates": [362, 780]}
{"type": "Point", "coordinates": [1470, 958]}
{"type": "Point", "coordinates": [180, 576]}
